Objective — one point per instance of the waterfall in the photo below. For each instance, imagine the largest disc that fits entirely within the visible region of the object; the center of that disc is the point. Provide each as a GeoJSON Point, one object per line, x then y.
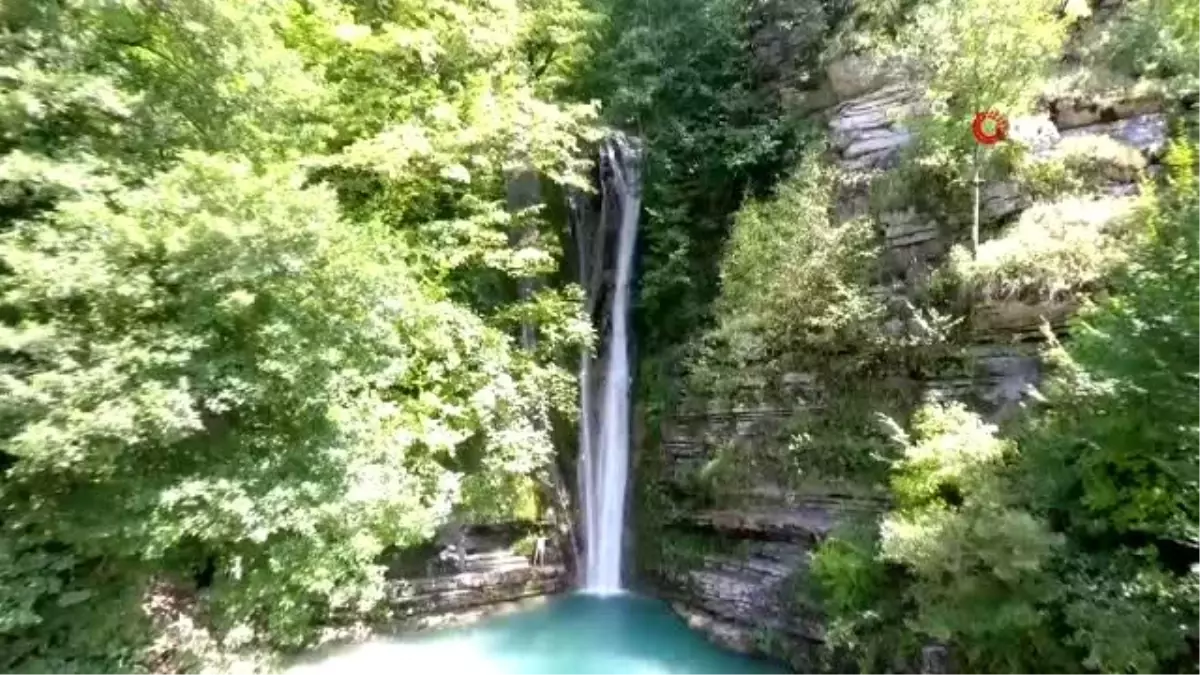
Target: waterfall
{"type": "Point", "coordinates": [604, 461]}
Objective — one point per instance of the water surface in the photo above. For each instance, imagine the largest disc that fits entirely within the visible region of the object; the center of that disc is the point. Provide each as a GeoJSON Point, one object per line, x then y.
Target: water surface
{"type": "Point", "coordinates": [569, 634]}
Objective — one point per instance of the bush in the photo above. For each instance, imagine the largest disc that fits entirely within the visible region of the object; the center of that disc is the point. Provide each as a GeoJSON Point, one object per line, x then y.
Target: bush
{"type": "Point", "coordinates": [1115, 448]}
{"type": "Point", "coordinates": [209, 367]}
{"type": "Point", "coordinates": [970, 571]}
{"type": "Point", "coordinates": [240, 374]}
{"type": "Point", "coordinates": [1153, 39]}
{"type": "Point", "coordinates": [1053, 251]}
{"type": "Point", "coordinates": [1080, 165]}
{"type": "Point", "coordinates": [792, 277]}
{"type": "Point", "coordinates": [856, 589]}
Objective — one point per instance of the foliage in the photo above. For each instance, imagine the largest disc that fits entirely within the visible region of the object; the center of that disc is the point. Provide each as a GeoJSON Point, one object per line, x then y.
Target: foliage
{"type": "Point", "coordinates": [972, 570]}
{"type": "Point", "coordinates": [1115, 450]}
{"type": "Point", "coordinates": [136, 81]}
{"type": "Point", "coordinates": [856, 590]}
{"type": "Point", "coordinates": [258, 303]}
{"type": "Point", "coordinates": [791, 275]}
{"type": "Point", "coordinates": [795, 288]}
{"type": "Point", "coordinates": [1080, 165]}
{"type": "Point", "coordinates": [1149, 39]}
{"type": "Point", "coordinates": [1053, 252]}
{"type": "Point", "coordinates": [867, 26]}
{"type": "Point", "coordinates": [978, 55]}
{"type": "Point", "coordinates": [711, 133]}
{"type": "Point", "coordinates": [971, 56]}
{"type": "Point", "coordinates": [1079, 545]}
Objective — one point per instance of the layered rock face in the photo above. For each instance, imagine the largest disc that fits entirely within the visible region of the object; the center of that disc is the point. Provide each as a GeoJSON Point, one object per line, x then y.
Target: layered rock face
{"type": "Point", "coordinates": [745, 595]}
{"type": "Point", "coordinates": [479, 569]}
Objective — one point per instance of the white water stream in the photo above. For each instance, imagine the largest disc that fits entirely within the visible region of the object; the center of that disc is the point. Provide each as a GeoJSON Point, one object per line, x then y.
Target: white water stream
{"type": "Point", "coordinates": [604, 461]}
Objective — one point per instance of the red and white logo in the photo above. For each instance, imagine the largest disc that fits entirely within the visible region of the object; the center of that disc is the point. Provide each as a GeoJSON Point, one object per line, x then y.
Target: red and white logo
{"type": "Point", "coordinates": [989, 127]}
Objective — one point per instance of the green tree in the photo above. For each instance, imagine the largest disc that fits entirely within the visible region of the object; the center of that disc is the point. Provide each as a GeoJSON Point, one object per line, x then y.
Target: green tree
{"type": "Point", "coordinates": [1115, 451]}
{"type": "Point", "coordinates": [259, 303]}
{"type": "Point", "coordinates": [968, 57]}
{"type": "Point", "coordinates": [681, 76]}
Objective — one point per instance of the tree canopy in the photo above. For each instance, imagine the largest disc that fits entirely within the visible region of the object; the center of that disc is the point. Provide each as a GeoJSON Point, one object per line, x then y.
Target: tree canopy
{"type": "Point", "coordinates": [259, 302]}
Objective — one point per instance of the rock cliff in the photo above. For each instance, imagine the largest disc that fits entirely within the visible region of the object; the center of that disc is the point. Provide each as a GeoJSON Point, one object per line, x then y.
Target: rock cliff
{"type": "Point", "coordinates": [742, 590]}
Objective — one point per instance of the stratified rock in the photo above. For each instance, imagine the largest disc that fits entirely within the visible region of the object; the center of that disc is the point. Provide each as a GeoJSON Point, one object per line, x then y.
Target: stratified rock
{"type": "Point", "coordinates": [436, 595]}
{"type": "Point", "coordinates": [1147, 133]}
{"type": "Point", "coordinates": [868, 131]}
{"type": "Point", "coordinates": [907, 228]}
{"type": "Point", "coordinates": [877, 141]}
{"type": "Point", "coordinates": [1006, 319]}
{"type": "Point", "coordinates": [1080, 112]}
{"type": "Point", "coordinates": [999, 200]}
{"type": "Point", "coordinates": [775, 523]}
{"type": "Point", "coordinates": [733, 600]}
{"type": "Point", "coordinates": [853, 75]}
{"type": "Point", "coordinates": [1000, 380]}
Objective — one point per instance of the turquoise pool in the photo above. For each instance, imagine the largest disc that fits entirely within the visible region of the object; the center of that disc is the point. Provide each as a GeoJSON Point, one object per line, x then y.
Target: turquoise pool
{"type": "Point", "coordinates": [569, 634]}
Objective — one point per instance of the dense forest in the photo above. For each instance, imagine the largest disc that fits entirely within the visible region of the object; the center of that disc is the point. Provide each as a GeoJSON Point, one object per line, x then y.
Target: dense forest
{"type": "Point", "coordinates": [275, 303]}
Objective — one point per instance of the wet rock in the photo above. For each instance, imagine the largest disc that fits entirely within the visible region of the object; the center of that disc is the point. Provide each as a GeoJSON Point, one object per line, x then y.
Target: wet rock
{"type": "Point", "coordinates": [727, 634]}
{"type": "Point", "coordinates": [733, 599]}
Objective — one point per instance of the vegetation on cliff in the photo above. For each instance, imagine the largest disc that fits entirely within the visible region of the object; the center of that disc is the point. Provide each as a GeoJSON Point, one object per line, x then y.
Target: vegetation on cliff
{"type": "Point", "coordinates": [1062, 538]}
{"type": "Point", "coordinates": [1074, 535]}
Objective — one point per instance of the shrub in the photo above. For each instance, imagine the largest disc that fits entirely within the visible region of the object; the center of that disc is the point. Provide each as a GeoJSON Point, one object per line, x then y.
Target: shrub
{"type": "Point", "coordinates": [1053, 250]}
{"type": "Point", "coordinates": [1115, 448]}
{"type": "Point", "coordinates": [1076, 549]}
{"type": "Point", "coordinates": [864, 612]}
{"type": "Point", "coordinates": [792, 278]}
{"type": "Point", "coordinates": [1153, 39]}
{"type": "Point", "coordinates": [970, 571]}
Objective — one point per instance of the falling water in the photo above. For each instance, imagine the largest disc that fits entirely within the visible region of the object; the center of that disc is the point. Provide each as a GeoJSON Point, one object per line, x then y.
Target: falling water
{"type": "Point", "coordinates": [604, 464]}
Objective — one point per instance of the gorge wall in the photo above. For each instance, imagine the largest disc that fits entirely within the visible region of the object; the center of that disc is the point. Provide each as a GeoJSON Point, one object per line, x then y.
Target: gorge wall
{"type": "Point", "coordinates": [731, 555]}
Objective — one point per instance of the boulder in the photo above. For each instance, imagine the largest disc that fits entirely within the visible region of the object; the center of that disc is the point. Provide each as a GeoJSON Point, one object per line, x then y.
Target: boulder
{"type": "Point", "coordinates": [855, 74]}
{"type": "Point", "coordinates": [999, 200]}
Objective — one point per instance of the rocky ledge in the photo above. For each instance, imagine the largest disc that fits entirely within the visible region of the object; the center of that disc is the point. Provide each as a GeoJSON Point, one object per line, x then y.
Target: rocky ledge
{"type": "Point", "coordinates": [468, 570]}
{"type": "Point", "coordinates": [747, 602]}
{"type": "Point", "coordinates": [432, 596]}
